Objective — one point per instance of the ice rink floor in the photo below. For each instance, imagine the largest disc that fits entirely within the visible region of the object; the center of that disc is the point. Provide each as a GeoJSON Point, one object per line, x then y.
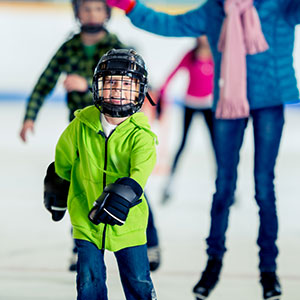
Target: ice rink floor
{"type": "Point", "coordinates": [35, 252]}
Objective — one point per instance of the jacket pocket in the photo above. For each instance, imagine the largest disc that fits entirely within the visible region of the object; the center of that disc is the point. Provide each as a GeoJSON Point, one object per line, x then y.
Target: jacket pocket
{"type": "Point", "coordinates": [78, 209]}
{"type": "Point", "coordinates": [136, 221]}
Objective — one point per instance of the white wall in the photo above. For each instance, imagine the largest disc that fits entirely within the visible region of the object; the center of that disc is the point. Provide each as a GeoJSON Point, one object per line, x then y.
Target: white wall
{"type": "Point", "coordinates": [30, 36]}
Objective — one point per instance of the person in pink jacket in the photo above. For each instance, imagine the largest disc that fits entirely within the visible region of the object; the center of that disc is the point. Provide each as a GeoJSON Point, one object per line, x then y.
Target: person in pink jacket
{"type": "Point", "coordinates": [199, 64]}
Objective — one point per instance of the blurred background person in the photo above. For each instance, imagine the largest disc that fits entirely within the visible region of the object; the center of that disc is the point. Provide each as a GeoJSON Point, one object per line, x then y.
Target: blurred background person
{"type": "Point", "coordinates": [198, 62]}
{"type": "Point", "coordinates": [75, 59]}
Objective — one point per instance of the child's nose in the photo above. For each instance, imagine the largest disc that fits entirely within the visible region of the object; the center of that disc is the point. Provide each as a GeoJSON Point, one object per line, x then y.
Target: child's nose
{"type": "Point", "coordinates": [116, 90]}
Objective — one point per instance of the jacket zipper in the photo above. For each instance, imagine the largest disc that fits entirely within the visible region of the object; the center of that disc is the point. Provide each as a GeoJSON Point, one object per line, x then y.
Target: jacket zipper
{"type": "Point", "coordinates": [104, 185]}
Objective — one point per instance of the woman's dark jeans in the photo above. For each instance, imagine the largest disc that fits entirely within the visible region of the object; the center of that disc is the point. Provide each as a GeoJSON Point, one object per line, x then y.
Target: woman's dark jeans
{"type": "Point", "coordinates": [228, 134]}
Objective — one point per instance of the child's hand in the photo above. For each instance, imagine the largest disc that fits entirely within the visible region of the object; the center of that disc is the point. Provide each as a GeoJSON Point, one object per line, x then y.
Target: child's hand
{"type": "Point", "coordinates": [109, 210]}
{"type": "Point", "coordinates": [112, 207]}
{"type": "Point", "coordinates": [27, 126]}
{"type": "Point", "coordinates": [74, 82]}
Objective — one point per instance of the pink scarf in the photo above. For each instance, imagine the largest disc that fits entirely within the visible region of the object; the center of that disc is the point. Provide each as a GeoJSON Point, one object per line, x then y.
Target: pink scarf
{"type": "Point", "coordinates": [241, 35]}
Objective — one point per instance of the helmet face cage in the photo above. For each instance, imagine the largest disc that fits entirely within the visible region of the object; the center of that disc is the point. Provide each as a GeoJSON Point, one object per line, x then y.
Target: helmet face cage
{"type": "Point", "coordinates": [120, 83]}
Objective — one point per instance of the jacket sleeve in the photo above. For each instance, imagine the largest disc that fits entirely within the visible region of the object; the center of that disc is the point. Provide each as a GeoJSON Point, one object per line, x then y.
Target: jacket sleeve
{"type": "Point", "coordinates": [143, 158]}
{"type": "Point", "coordinates": [66, 150]}
{"type": "Point", "coordinates": [292, 11]}
{"type": "Point", "coordinates": [44, 86]}
{"type": "Point", "coordinates": [190, 24]}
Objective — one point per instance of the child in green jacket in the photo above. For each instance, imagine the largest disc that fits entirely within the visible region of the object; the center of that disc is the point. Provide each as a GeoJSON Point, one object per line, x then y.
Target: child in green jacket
{"type": "Point", "coordinates": [77, 59]}
{"type": "Point", "coordinates": [107, 154]}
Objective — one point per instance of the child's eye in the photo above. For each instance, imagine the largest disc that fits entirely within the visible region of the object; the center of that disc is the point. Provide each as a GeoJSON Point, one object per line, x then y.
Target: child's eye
{"type": "Point", "coordinates": [100, 9]}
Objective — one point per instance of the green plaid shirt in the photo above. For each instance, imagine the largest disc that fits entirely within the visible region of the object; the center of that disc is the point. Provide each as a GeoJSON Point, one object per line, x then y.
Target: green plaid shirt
{"type": "Point", "coordinates": [70, 59]}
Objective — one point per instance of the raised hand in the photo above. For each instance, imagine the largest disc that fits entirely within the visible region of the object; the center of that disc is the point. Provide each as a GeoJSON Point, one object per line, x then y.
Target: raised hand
{"type": "Point", "coordinates": [122, 4]}
{"type": "Point", "coordinates": [74, 82]}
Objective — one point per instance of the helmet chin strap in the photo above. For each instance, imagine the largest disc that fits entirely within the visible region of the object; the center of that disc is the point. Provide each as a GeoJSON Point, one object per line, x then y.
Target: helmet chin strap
{"type": "Point", "coordinates": [150, 99]}
{"type": "Point", "coordinates": [92, 29]}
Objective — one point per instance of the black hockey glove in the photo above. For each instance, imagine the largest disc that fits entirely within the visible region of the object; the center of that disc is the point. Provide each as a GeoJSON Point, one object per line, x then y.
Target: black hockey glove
{"type": "Point", "coordinates": [55, 193]}
{"type": "Point", "coordinates": [112, 207]}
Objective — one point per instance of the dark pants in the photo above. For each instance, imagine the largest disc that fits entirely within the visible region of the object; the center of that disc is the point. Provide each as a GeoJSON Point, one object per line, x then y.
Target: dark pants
{"type": "Point", "coordinates": [133, 269]}
{"type": "Point", "coordinates": [189, 113]}
{"type": "Point", "coordinates": [267, 126]}
{"type": "Point", "coordinates": [152, 236]}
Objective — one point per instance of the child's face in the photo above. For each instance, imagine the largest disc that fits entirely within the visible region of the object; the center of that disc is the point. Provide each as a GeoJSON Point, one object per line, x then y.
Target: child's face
{"type": "Point", "coordinates": [119, 90]}
{"type": "Point", "coordinates": [92, 13]}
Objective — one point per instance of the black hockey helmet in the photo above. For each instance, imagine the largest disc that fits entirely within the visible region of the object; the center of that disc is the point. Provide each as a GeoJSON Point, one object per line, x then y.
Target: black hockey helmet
{"type": "Point", "coordinates": [77, 3]}
{"type": "Point", "coordinates": [126, 69]}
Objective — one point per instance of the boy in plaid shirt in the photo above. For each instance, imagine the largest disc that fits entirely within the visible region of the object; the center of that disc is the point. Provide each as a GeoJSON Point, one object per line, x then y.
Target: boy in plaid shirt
{"type": "Point", "coordinates": [77, 57]}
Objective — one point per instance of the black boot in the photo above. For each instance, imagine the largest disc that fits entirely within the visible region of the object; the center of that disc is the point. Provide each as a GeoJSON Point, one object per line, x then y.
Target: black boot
{"type": "Point", "coordinates": [209, 278]}
{"type": "Point", "coordinates": [271, 286]}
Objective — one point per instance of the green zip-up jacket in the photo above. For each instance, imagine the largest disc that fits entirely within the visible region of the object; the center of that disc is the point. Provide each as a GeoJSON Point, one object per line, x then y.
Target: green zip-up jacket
{"type": "Point", "coordinates": [70, 58]}
{"type": "Point", "coordinates": [90, 161]}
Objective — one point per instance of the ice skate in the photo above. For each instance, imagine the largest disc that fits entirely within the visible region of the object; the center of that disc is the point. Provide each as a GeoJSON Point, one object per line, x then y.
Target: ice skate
{"type": "Point", "coordinates": [167, 191]}
{"type": "Point", "coordinates": [154, 257]}
{"type": "Point", "coordinates": [73, 262]}
{"type": "Point", "coordinates": [165, 197]}
{"type": "Point", "coordinates": [209, 279]}
{"type": "Point", "coordinates": [271, 286]}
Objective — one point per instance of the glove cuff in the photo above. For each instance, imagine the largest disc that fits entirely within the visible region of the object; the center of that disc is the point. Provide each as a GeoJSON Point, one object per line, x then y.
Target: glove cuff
{"type": "Point", "coordinates": [133, 184]}
{"type": "Point", "coordinates": [132, 4]}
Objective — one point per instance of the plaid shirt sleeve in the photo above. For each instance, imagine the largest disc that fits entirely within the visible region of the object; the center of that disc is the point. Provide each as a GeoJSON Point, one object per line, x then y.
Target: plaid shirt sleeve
{"type": "Point", "coordinates": [44, 86]}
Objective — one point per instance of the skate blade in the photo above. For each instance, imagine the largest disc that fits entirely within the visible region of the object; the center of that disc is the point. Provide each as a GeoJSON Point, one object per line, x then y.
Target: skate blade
{"type": "Point", "coordinates": [199, 296]}
{"type": "Point", "coordinates": [278, 297]}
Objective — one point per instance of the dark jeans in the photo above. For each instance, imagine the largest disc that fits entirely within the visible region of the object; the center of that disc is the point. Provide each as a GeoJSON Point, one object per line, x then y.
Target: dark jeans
{"type": "Point", "coordinates": [267, 126]}
{"type": "Point", "coordinates": [133, 269]}
{"type": "Point", "coordinates": [189, 113]}
{"type": "Point", "coordinates": [152, 236]}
